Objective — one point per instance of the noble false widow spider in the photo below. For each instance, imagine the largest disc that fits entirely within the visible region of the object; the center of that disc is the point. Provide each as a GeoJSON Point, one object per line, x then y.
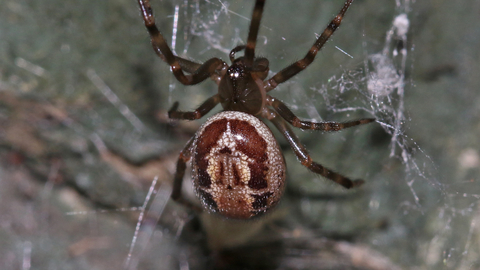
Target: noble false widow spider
{"type": "Point", "coordinates": [238, 168]}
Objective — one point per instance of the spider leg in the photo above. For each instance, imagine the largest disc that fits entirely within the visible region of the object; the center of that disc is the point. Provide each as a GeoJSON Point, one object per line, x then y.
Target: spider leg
{"type": "Point", "coordinates": [186, 65]}
{"type": "Point", "coordinates": [303, 155]}
{"type": "Point", "coordinates": [183, 158]}
{"type": "Point", "coordinates": [291, 118]}
{"type": "Point", "coordinates": [234, 51]}
{"type": "Point", "coordinates": [192, 67]}
{"type": "Point", "coordinates": [203, 109]}
{"type": "Point", "coordinates": [160, 46]}
{"type": "Point", "coordinates": [253, 32]}
{"type": "Point", "coordinates": [300, 65]}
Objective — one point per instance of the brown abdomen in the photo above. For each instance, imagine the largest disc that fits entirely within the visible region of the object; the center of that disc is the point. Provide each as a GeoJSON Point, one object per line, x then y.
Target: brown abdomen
{"type": "Point", "coordinates": [238, 168]}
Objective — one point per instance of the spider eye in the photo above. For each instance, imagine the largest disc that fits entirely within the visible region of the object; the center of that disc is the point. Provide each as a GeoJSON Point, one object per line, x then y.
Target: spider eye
{"type": "Point", "coordinates": [234, 75]}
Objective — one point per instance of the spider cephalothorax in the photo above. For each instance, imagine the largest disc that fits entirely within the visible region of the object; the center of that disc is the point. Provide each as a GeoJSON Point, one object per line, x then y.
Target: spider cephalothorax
{"type": "Point", "coordinates": [241, 89]}
{"type": "Point", "coordinates": [238, 169]}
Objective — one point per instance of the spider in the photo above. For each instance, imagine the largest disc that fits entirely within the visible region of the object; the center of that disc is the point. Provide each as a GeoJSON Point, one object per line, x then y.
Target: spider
{"type": "Point", "coordinates": [238, 169]}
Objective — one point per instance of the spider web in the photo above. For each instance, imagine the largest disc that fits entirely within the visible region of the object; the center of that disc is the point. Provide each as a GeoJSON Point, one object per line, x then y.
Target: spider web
{"type": "Point", "coordinates": [89, 136]}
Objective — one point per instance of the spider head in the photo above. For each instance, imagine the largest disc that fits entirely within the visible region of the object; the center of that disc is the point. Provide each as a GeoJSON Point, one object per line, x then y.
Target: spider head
{"type": "Point", "coordinates": [241, 88]}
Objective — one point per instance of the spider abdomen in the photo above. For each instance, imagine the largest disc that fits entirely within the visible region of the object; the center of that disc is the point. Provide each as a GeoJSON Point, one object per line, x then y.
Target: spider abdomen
{"type": "Point", "coordinates": [238, 168]}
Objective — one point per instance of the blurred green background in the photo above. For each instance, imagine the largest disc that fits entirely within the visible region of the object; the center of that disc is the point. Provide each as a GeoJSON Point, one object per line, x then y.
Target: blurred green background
{"type": "Point", "coordinates": [83, 132]}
